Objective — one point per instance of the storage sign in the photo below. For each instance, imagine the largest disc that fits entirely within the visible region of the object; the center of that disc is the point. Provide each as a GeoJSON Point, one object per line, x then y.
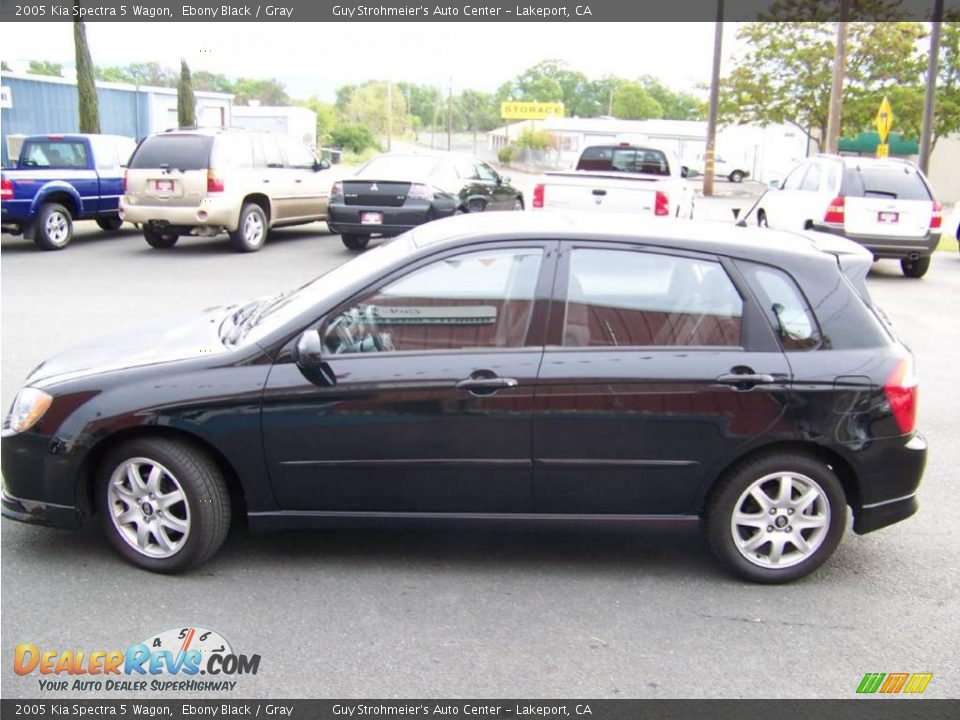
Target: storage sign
{"type": "Point", "coordinates": [512, 110]}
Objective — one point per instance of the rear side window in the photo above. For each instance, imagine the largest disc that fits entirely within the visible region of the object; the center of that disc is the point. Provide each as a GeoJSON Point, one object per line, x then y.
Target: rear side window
{"type": "Point", "coordinates": [54, 154]}
{"type": "Point", "coordinates": [232, 151]}
{"type": "Point", "coordinates": [174, 151]}
{"type": "Point", "coordinates": [785, 306]}
{"type": "Point", "coordinates": [895, 183]}
{"type": "Point", "coordinates": [619, 298]}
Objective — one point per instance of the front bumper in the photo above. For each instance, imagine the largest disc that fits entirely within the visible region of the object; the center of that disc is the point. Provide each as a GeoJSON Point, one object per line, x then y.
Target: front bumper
{"type": "Point", "coordinates": [39, 513]}
{"type": "Point", "coordinates": [212, 212]}
{"type": "Point", "coordinates": [889, 247]}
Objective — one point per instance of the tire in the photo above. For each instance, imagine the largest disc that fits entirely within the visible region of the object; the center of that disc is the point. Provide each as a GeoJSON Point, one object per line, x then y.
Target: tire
{"type": "Point", "coordinates": [136, 479]}
{"type": "Point", "coordinates": [109, 223]}
{"type": "Point", "coordinates": [915, 268]}
{"type": "Point", "coordinates": [762, 219]}
{"type": "Point", "coordinates": [355, 242]}
{"type": "Point", "coordinates": [518, 205]}
{"type": "Point", "coordinates": [54, 229]}
{"type": "Point", "coordinates": [476, 206]}
{"type": "Point", "coordinates": [251, 232]}
{"type": "Point", "coordinates": [159, 240]}
{"type": "Point", "coordinates": [737, 176]}
{"type": "Point", "coordinates": [754, 487]}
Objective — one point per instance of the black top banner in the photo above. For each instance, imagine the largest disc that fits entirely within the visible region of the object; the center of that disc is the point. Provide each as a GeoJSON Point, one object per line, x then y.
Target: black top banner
{"type": "Point", "coordinates": [475, 10]}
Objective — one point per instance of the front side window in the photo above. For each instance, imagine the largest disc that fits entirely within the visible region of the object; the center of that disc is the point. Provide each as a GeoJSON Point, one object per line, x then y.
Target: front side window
{"type": "Point", "coordinates": [619, 298]}
{"type": "Point", "coordinates": [486, 172]}
{"type": "Point", "coordinates": [479, 300]}
{"type": "Point", "coordinates": [795, 178]}
{"type": "Point", "coordinates": [298, 156]}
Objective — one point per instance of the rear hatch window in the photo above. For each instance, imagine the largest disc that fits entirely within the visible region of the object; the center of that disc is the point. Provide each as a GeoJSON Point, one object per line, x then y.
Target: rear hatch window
{"type": "Point", "coordinates": [179, 152]}
{"type": "Point", "coordinates": [892, 183]}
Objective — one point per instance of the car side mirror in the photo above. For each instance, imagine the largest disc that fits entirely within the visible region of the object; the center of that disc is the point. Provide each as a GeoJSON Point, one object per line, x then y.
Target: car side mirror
{"type": "Point", "coordinates": [684, 172]}
{"type": "Point", "coordinates": [501, 180]}
{"type": "Point", "coordinates": [774, 184]}
{"type": "Point", "coordinates": [321, 165]}
{"type": "Point", "coordinates": [307, 353]}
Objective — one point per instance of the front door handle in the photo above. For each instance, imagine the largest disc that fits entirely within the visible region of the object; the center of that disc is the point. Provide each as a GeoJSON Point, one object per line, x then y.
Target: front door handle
{"type": "Point", "coordinates": [746, 380]}
{"type": "Point", "coordinates": [486, 385]}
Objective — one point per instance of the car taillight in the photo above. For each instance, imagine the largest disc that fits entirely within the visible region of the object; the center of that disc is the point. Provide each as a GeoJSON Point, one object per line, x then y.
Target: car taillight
{"type": "Point", "coordinates": [835, 212]}
{"type": "Point", "coordinates": [420, 192]}
{"type": "Point", "coordinates": [661, 205]}
{"type": "Point", "coordinates": [123, 184]}
{"type": "Point", "coordinates": [336, 192]}
{"type": "Point", "coordinates": [6, 190]}
{"type": "Point", "coordinates": [214, 182]}
{"type": "Point", "coordinates": [937, 218]}
{"type": "Point", "coordinates": [538, 195]}
{"type": "Point", "coordinates": [901, 393]}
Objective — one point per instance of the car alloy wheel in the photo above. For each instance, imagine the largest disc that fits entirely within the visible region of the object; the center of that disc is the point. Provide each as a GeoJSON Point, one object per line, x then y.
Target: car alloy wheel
{"type": "Point", "coordinates": [251, 233]}
{"type": "Point", "coordinates": [780, 520]}
{"type": "Point", "coordinates": [148, 507]}
{"type": "Point", "coordinates": [54, 227]}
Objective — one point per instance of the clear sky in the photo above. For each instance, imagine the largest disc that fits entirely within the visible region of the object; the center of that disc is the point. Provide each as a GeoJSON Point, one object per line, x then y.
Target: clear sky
{"type": "Point", "coordinates": [316, 58]}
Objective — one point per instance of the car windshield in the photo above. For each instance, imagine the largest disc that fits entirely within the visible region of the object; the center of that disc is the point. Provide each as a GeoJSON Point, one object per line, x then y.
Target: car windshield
{"type": "Point", "coordinates": [255, 320]}
{"type": "Point", "coordinates": [398, 166]}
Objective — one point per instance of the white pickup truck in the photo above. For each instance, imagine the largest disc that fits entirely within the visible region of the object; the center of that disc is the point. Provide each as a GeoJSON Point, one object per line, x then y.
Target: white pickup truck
{"type": "Point", "coordinates": [619, 178]}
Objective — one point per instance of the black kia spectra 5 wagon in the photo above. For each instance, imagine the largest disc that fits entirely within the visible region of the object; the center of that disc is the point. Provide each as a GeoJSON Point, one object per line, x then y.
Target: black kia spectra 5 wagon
{"type": "Point", "coordinates": [508, 367]}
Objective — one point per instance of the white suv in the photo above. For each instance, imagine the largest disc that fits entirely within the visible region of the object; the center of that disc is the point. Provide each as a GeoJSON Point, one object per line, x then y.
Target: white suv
{"type": "Point", "coordinates": [885, 205]}
{"type": "Point", "coordinates": [210, 181]}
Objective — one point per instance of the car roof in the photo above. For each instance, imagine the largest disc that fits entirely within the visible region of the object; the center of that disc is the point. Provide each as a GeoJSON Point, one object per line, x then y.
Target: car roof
{"type": "Point", "coordinates": [762, 244]}
{"type": "Point", "coordinates": [859, 161]}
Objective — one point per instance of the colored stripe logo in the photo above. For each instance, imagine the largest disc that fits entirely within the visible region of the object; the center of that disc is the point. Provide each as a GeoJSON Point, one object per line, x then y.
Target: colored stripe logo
{"type": "Point", "coordinates": [894, 683]}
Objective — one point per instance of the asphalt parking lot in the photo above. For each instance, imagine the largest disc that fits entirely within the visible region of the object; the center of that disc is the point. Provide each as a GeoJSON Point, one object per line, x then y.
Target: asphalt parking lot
{"type": "Point", "coordinates": [479, 613]}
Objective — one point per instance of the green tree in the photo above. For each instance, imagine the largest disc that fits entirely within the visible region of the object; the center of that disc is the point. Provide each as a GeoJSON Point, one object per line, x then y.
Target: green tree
{"type": "Point", "coordinates": [265, 91]}
{"type": "Point", "coordinates": [4, 66]}
{"type": "Point", "coordinates": [368, 106]}
{"type": "Point", "coordinates": [355, 138]}
{"type": "Point", "coordinates": [86, 89]}
{"type": "Point", "coordinates": [326, 115]}
{"type": "Point", "coordinates": [675, 105]}
{"type": "Point", "coordinates": [785, 75]}
{"type": "Point", "coordinates": [423, 101]}
{"type": "Point", "coordinates": [146, 73]}
{"type": "Point", "coordinates": [186, 101]}
{"type": "Point", "coordinates": [211, 82]}
{"type": "Point", "coordinates": [632, 102]}
{"type": "Point", "coordinates": [45, 67]}
{"type": "Point", "coordinates": [947, 107]}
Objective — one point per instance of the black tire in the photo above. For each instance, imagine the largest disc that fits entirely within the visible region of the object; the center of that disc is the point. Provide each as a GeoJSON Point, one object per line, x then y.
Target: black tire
{"type": "Point", "coordinates": [207, 503]}
{"type": "Point", "coordinates": [762, 218]}
{"type": "Point", "coordinates": [915, 268]}
{"type": "Point", "coordinates": [518, 205]}
{"type": "Point", "coordinates": [827, 511]}
{"type": "Point", "coordinates": [251, 232]}
{"type": "Point", "coordinates": [159, 240]}
{"type": "Point", "coordinates": [355, 242]}
{"type": "Point", "coordinates": [737, 176]}
{"type": "Point", "coordinates": [109, 223]}
{"type": "Point", "coordinates": [54, 227]}
{"type": "Point", "coordinates": [476, 206]}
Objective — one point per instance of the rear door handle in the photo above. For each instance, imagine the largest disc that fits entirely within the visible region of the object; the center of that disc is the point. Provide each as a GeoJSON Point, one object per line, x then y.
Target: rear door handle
{"type": "Point", "coordinates": [745, 381]}
{"type": "Point", "coordinates": [599, 192]}
{"type": "Point", "coordinates": [487, 385]}
{"type": "Point", "coordinates": [298, 180]}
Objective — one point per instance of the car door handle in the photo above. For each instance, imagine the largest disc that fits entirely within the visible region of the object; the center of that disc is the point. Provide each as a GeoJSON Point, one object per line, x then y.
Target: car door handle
{"type": "Point", "coordinates": [298, 180]}
{"type": "Point", "coordinates": [486, 385]}
{"type": "Point", "coordinates": [746, 380]}
{"type": "Point", "coordinates": [599, 191]}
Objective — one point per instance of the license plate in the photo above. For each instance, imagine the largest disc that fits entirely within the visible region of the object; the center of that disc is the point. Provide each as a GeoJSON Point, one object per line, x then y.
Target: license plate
{"type": "Point", "coordinates": [164, 186]}
{"type": "Point", "coordinates": [371, 218]}
{"type": "Point", "coordinates": [888, 217]}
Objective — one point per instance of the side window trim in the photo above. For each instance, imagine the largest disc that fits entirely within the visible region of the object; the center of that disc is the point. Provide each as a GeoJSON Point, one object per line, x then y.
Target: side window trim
{"type": "Point", "coordinates": [536, 330]}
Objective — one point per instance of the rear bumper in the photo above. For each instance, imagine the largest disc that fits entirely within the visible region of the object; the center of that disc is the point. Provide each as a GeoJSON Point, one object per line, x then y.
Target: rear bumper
{"type": "Point", "coordinates": [889, 247]}
{"type": "Point", "coordinates": [901, 467]}
{"type": "Point", "coordinates": [210, 213]}
{"type": "Point", "coordinates": [396, 220]}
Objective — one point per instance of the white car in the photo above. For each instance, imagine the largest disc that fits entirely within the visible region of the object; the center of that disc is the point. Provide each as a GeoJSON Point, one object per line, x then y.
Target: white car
{"type": "Point", "coordinates": [886, 205]}
{"type": "Point", "coordinates": [724, 169]}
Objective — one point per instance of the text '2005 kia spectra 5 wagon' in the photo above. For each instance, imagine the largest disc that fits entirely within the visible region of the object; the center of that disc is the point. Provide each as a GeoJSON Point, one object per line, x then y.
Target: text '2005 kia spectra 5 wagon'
{"type": "Point", "coordinates": [507, 367]}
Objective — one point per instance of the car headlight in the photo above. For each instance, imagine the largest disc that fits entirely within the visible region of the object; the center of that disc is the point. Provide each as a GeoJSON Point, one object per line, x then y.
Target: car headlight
{"type": "Point", "coordinates": [28, 407]}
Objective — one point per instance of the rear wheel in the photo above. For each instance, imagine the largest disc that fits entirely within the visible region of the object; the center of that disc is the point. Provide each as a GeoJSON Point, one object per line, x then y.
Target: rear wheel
{"type": "Point", "coordinates": [355, 242]}
{"type": "Point", "coordinates": [109, 223]}
{"type": "Point", "coordinates": [164, 505]}
{"type": "Point", "coordinates": [777, 517]}
{"type": "Point", "coordinates": [518, 205]}
{"type": "Point", "coordinates": [54, 227]}
{"type": "Point", "coordinates": [476, 206]}
{"type": "Point", "coordinates": [736, 176]}
{"type": "Point", "coordinates": [160, 240]}
{"type": "Point", "coordinates": [251, 233]}
{"type": "Point", "coordinates": [915, 268]}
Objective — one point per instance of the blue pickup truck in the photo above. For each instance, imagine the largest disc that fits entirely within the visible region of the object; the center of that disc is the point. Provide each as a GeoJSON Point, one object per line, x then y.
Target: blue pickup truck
{"type": "Point", "coordinates": [62, 178]}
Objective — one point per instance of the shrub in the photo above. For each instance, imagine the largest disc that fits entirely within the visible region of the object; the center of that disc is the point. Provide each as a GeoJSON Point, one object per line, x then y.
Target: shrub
{"type": "Point", "coordinates": [505, 154]}
{"type": "Point", "coordinates": [355, 138]}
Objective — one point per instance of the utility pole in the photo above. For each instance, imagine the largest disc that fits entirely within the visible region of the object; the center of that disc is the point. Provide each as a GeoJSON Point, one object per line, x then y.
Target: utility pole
{"type": "Point", "coordinates": [450, 114]}
{"type": "Point", "coordinates": [926, 133]}
{"type": "Point", "coordinates": [714, 101]}
{"type": "Point", "coordinates": [836, 88]}
{"type": "Point", "coordinates": [389, 116]}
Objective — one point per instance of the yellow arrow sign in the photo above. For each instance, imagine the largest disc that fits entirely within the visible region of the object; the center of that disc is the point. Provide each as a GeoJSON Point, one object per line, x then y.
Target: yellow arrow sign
{"type": "Point", "coordinates": [884, 119]}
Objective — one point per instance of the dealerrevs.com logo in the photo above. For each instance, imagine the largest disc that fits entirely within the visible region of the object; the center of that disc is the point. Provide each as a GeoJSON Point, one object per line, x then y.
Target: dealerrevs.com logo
{"type": "Point", "coordinates": [170, 661]}
{"type": "Point", "coordinates": [894, 683]}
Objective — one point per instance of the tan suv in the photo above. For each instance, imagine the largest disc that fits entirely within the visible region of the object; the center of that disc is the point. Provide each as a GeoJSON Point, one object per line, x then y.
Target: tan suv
{"type": "Point", "coordinates": [210, 181]}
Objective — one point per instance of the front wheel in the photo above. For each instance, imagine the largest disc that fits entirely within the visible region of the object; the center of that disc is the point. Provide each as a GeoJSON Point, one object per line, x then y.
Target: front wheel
{"type": "Point", "coordinates": [777, 517]}
{"type": "Point", "coordinates": [164, 505]}
{"type": "Point", "coordinates": [109, 223]}
{"type": "Point", "coordinates": [159, 240]}
{"type": "Point", "coordinates": [477, 206]}
{"type": "Point", "coordinates": [736, 176]}
{"type": "Point", "coordinates": [251, 233]}
{"type": "Point", "coordinates": [915, 268]}
{"type": "Point", "coordinates": [355, 242]}
{"type": "Point", "coordinates": [54, 227]}
{"type": "Point", "coordinates": [762, 219]}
